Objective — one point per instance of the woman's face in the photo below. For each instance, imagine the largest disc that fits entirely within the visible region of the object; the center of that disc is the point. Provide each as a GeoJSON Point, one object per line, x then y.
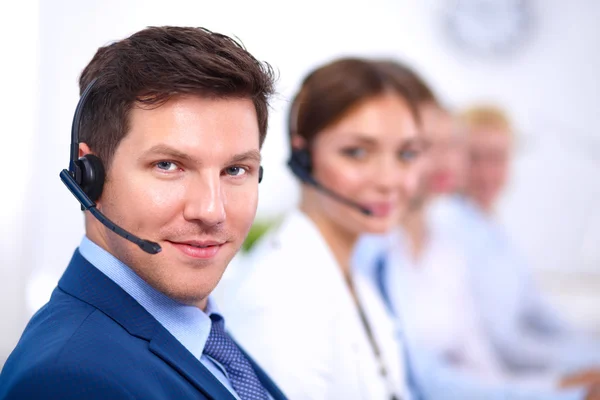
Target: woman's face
{"type": "Point", "coordinates": [368, 157]}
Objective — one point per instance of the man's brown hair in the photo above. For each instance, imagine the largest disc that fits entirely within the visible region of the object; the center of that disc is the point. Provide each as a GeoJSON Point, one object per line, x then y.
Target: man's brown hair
{"type": "Point", "coordinates": [155, 64]}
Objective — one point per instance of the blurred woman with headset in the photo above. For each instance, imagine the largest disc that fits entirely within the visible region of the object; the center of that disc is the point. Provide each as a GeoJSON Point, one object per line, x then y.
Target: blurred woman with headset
{"type": "Point", "coordinates": [322, 332]}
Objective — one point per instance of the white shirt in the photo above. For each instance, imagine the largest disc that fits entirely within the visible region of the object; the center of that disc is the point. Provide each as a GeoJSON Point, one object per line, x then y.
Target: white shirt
{"type": "Point", "coordinates": [289, 306]}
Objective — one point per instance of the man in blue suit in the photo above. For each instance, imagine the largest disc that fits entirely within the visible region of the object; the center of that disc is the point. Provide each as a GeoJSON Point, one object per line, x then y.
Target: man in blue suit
{"type": "Point", "coordinates": [165, 143]}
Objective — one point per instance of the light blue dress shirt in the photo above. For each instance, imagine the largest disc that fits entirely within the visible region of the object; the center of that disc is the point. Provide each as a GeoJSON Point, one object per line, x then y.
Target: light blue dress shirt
{"type": "Point", "coordinates": [527, 332]}
{"type": "Point", "coordinates": [188, 324]}
{"type": "Point", "coordinates": [434, 378]}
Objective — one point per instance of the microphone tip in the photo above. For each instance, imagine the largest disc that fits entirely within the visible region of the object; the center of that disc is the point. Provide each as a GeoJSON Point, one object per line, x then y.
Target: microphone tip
{"type": "Point", "coordinates": [157, 249]}
{"type": "Point", "coordinates": [150, 247]}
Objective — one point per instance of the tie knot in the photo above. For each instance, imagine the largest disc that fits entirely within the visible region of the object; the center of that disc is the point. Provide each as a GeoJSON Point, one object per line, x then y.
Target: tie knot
{"type": "Point", "coordinates": [219, 345]}
{"type": "Point", "coordinates": [217, 322]}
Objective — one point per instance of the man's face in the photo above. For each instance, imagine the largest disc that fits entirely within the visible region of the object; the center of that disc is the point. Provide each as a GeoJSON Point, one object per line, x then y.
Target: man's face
{"type": "Point", "coordinates": [489, 158]}
{"type": "Point", "coordinates": [446, 153]}
{"type": "Point", "coordinates": [185, 176]}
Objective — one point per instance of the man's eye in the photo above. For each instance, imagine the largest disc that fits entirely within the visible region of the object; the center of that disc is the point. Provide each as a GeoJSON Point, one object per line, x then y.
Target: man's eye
{"type": "Point", "coordinates": [166, 166]}
{"type": "Point", "coordinates": [235, 171]}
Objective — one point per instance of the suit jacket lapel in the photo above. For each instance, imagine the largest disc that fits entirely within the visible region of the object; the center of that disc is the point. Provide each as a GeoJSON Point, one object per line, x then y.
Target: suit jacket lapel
{"type": "Point", "coordinates": [85, 282]}
{"type": "Point", "coordinates": [165, 346]}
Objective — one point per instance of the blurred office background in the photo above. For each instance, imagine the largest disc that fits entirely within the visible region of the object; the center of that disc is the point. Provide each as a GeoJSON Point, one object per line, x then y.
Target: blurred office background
{"type": "Point", "coordinates": [539, 59]}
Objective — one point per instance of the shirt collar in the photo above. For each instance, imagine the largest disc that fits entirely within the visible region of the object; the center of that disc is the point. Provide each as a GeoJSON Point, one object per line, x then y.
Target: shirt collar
{"type": "Point", "coordinates": [188, 324]}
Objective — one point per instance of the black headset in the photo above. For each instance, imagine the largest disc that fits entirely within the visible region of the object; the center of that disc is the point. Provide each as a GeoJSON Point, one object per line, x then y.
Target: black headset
{"type": "Point", "coordinates": [85, 178]}
{"type": "Point", "coordinates": [88, 171]}
{"type": "Point", "coordinates": [300, 163]}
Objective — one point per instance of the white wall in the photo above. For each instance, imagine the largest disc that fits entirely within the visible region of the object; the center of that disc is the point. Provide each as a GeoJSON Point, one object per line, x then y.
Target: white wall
{"type": "Point", "coordinates": [550, 85]}
{"type": "Point", "coordinates": [19, 47]}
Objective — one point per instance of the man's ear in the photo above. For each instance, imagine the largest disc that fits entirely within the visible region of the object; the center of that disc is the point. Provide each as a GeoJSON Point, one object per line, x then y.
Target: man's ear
{"type": "Point", "coordinates": [298, 142]}
{"type": "Point", "coordinates": [84, 149]}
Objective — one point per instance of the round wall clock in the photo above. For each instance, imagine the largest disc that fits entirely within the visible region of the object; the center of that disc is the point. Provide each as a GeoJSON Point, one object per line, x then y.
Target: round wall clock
{"type": "Point", "coordinates": [488, 27]}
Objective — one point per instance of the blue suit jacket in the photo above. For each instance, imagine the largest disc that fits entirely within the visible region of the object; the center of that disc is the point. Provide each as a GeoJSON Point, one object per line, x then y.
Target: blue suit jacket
{"type": "Point", "coordinates": [94, 341]}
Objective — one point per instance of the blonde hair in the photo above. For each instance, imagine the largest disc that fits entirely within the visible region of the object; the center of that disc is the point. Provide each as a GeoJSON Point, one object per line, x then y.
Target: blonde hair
{"type": "Point", "coordinates": [477, 118]}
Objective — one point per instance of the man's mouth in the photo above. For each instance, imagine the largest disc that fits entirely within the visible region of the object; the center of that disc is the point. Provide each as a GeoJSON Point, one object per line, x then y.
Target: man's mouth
{"type": "Point", "coordinates": [200, 249]}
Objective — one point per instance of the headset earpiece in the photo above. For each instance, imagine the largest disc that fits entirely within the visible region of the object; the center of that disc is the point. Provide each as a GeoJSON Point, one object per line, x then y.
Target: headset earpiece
{"type": "Point", "coordinates": [92, 176]}
{"type": "Point", "coordinates": [301, 165]}
{"type": "Point", "coordinates": [303, 159]}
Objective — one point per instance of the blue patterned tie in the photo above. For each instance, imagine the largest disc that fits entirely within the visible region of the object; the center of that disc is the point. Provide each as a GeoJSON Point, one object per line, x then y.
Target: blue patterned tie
{"type": "Point", "coordinates": [223, 349]}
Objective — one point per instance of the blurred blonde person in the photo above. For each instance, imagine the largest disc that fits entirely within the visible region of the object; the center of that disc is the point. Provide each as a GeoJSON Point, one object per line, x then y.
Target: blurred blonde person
{"type": "Point", "coordinates": [528, 333]}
